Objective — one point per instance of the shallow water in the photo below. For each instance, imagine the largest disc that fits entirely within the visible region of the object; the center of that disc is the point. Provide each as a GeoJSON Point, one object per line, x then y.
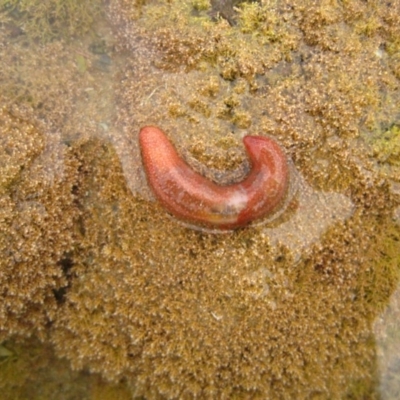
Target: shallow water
{"type": "Point", "coordinates": [104, 295]}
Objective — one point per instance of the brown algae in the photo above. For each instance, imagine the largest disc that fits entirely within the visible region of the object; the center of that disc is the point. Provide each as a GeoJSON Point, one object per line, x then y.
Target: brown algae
{"type": "Point", "coordinates": [92, 266]}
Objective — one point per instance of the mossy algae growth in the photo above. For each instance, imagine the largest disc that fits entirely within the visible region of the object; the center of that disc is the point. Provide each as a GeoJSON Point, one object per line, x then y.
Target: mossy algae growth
{"type": "Point", "coordinates": [248, 304]}
{"type": "Point", "coordinates": [31, 243]}
{"type": "Point", "coordinates": [29, 369]}
{"type": "Point", "coordinates": [50, 19]}
{"type": "Point", "coordinates": [115, 286]}
{"type": "Point", "coordinates": [387, 146]}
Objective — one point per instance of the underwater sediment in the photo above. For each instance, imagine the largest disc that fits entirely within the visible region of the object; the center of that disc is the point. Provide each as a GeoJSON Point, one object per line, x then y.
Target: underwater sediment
{"type": "Point", "coordinates": [96, 269]}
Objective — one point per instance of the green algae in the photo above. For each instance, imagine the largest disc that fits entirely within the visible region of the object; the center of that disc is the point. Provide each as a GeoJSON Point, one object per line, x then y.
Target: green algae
{"type": "Point", "coordinates": [201, 5]}
{"type": "Point", "coordinates": [385, 268]}
{"type": "Point", "coordinates": [263, 20]}
{"type": "Point", "coordinates": [31, 370]}
{"type": "Point", "coordinates": [387, 146]}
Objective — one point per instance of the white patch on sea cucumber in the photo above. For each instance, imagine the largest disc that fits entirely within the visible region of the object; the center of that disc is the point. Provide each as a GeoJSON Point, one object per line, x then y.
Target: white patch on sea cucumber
{"type": "Point", "coordinates": [238, 201]}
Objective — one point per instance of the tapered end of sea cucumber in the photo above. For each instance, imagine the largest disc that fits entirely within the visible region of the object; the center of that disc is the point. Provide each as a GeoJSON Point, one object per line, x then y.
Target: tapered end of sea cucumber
{"type": "Point", "coordinates": [150, 134]}
{"type": "Point", "coordinates": [257, 145]}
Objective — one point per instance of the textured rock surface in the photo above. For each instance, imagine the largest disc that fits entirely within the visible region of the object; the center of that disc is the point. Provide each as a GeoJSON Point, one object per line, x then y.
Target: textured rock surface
{"type": "Point", "coordinates": [107, 280]}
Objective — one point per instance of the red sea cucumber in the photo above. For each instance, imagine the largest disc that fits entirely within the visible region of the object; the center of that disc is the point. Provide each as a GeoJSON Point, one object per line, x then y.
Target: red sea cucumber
{"type": "Point", "coordinates": [194, 199]}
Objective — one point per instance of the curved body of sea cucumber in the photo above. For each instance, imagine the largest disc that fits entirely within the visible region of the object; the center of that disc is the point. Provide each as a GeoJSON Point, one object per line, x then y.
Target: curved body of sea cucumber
{"type": "Point", "coordinates": [195, 199]}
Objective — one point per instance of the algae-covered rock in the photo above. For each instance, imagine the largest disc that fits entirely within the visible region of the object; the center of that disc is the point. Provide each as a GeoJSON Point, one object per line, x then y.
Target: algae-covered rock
{"type": "Point", "coordinates": [50, 19]}
{"type": "Point", "coordinates": [387, 147]}
{"type": "Point", "coordinates": [183, 314]}
{"type": "Point", "coordinates": [36, 225]}
{"type": "Point", "coordinates": [30, 370]}
{"type": "Point", "coordinates": [20, 144]}
{"type": "Point", "coordinates": [113, 284]}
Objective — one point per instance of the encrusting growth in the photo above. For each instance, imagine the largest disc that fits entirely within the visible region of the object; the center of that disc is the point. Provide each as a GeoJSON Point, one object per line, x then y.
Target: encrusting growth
{"type": "Point", "coordinates": [91, 266]}
{"type": "Point", "coordinates": [36, 225]}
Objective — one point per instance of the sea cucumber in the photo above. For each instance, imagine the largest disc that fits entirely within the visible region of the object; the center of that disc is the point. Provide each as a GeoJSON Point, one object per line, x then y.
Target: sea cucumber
{"type": "Point", "coordinates": [197, 200]}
